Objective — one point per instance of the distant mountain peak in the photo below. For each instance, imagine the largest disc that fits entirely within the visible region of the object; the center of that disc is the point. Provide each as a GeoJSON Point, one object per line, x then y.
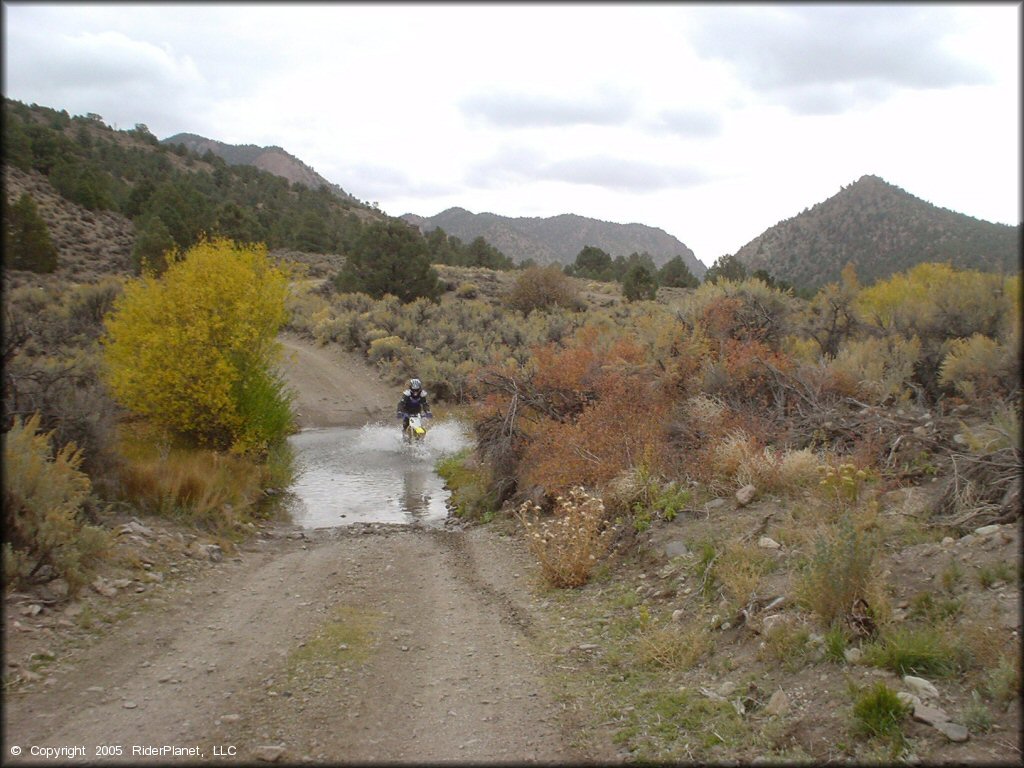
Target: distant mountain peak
{"type": "Point", "coordinates": [558, 239]}
{"type": "Point", "coordinates": [881, 229]}
{"type": "Point", "coordinates": [272, 159]}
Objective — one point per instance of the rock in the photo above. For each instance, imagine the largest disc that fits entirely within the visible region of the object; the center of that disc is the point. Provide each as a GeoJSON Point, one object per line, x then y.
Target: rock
{"type": "Point", "coordinates": [129, 705]}
{"type": "Point", "coordinates": [727, 688]}
{"type": "Point", "coordinates": [987, 530]}
{"type": "Point", "coordinates": [921, 687]}
{"type": "Point", "coordinates": [676, 548]}
{"type": "Point", "coordinates": [909, 699]}
{"type": "Point", "coordinates": [778, 704]}
{"type": "Point", "coordinates": [770, 622]}
{"type": "Point", "coordinates": [715, 504]}
{"type": "Point", "coordinates": [135, 527]}
{"type": "Point", "coordinates": [947, 540]}
{"type": "Point", "coordinates": [232, 718]}
{"type": "Point", "coordinates": [214, 552]}
{"type": "Point", "coordinates": [767, 543]}
{"type": "Point", "coordinates": [678, 615]}
{"type": "Point", "coordinates": [102, 587]}
{"type": "Point", "coordinates": [952, 731]}
{"type": "Point", "coordinates": [968, 539]}
{"type": "Point", "coordinates": [853, 655]}
{"type": "Point", "coordinates": [268, 753]}
{"type": "Point", "coordinates": [196, 551]}
{"type": "Point", "coordinates": [664, 573]}
{"type": "Point", "coordinates": [929, 715]}
{"type": "Point", "coordinates": [745, 495]}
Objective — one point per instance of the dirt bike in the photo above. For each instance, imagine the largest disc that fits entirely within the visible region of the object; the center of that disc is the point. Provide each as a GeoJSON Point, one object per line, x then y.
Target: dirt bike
{"type": "Point", "coordinates": [416, 429]}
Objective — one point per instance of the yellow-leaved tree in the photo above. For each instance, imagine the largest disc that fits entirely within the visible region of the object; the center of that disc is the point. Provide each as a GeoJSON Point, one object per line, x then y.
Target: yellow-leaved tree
{"type": "Point", "coordinates": [194, 348]}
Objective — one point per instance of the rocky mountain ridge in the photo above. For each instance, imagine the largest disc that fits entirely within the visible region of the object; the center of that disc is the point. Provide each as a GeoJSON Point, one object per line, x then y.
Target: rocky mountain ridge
{"type": "Point", "coordinates": [272, 159]}
{"type": "Point", "coordinates": [558, 239]}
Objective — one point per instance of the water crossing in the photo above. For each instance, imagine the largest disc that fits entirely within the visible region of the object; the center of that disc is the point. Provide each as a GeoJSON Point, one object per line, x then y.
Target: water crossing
{"type": "Point", "coordinates": [351, 475]}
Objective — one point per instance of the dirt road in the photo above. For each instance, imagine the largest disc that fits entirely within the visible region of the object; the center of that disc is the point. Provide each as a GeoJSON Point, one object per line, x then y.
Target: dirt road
{"type": "Point", "coordinates": [352, 645]}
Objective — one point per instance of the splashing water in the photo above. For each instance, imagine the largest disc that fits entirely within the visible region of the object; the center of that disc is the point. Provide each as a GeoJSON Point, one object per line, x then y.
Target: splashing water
{"type": "Point", "coordinates": [347, 475]}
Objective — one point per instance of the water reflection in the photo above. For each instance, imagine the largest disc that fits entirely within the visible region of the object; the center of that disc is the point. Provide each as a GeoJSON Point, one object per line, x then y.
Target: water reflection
{"type": "Point", "coordinates": [348, 475]}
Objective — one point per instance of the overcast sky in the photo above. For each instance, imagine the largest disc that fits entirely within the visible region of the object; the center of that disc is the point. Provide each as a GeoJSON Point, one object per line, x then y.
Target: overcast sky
{"type": "Point", "coordinates": [712, 122]}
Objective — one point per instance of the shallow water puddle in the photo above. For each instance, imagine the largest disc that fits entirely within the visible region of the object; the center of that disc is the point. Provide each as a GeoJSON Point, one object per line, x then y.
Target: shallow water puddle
{"type": "Point", "coordinates": [370, 475]}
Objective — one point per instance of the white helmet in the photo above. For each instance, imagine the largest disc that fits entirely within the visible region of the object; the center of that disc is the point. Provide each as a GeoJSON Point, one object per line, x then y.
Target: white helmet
{"type": "Point", "coordinates": [415, 386]}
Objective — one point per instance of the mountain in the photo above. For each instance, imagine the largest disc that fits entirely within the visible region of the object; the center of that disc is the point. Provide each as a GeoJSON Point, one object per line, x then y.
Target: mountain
{"type": "Point", "coordinates": [558, 239]}
{"type": "Point", "coordinates": [881, 230]}
{"type": "Point", "coordinates": [271, 159]}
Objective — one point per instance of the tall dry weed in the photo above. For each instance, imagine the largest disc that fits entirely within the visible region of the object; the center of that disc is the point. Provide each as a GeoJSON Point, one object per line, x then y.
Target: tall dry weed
{"type": "Point", "coordinates": [569, 544]}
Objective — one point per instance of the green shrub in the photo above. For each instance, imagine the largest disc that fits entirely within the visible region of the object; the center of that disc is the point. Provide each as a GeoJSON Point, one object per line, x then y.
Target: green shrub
{"type": "Point", "coordinates": [882, 367]}
{"type": "Point", "coordinates": [43, 496]}
{"type": "Point", "coordinates": [977, 716]}
{"type": "Point", "coordinates": [927, 606]}
{"type": "Point", "coordinates": [1002, 682]}
{"type": "Point", "coordinates": [542, 288]}
{"type": "Point", "coordinates": [387, 348]}
{"type": "Point", "coordinates": [836, 640]}
{"type": "Point", "coordinates": [879, 713]}
{"type": "Point", "coordinates": [980, 368]}
{"type": "Point", "coordinates": [916, 651]}
{"type": "Point", "coordinates": [840, 573]}
{"type": "Point", "coordinates": [467, 291]}
{"type": "Point", "coordinates": [469, 482]}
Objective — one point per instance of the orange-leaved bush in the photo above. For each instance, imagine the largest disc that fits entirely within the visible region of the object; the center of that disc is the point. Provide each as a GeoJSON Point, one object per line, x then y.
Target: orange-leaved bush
{"type": "Point", "coordinates": [193, 349]}
{"type": "Point", "coordinates": [614, 433]}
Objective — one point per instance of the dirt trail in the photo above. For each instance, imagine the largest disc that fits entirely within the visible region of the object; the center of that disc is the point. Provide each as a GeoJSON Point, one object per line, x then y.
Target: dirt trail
{"type": "Point", "coordinates": [352, 645]}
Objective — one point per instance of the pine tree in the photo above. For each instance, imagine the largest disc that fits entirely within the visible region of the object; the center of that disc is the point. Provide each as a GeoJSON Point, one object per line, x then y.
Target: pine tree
{"type": "Point", "coordinates": [27, 238]}
{"type": "Point", "coordinates": [676, 274]}
{"type": "Point", "coordinates": [390, 257]}
{"type": "Point", "coordinates": [639, 284]}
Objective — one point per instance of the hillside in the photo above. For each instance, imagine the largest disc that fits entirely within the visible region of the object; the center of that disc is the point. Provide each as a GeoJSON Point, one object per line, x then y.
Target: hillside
{"type": "Point", "coordinates": [89, 243]}
{"type": "Point", "coordinates": [881, 230]}
{"type": "Point", "coordinates": [274, 160]}
{"type": "Point", "coordinates": [79, 171]}
{"type": "Point", "coordinates": [558, 239]}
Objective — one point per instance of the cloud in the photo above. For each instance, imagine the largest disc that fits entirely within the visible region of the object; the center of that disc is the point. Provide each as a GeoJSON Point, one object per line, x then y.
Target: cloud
{"type": "Point", "coordinates": [520, 165]}
{"type": "Point", "coordinates": [798, 53]}
{"type": "Point", "coordinates": [107, 73]}
{"type": "Point", "coordinates": [689, 123]}
{"type": "Point", "coordinates": [378, 182]}
{"type": "Point", "coordinates": [523, 110]}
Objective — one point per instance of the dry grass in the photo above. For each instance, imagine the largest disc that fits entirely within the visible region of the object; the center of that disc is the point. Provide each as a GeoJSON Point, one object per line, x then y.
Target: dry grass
{"type": "Point", "coordinates": [672, 646]}
{"type": "Point", "coordinates": [739, 459]}
{"type": "Point", "coordinates": [215, 490]}
{"type": "Point", "coordinates": [570, 544]}
{"type": "Point", "coordinates": [739, 569]}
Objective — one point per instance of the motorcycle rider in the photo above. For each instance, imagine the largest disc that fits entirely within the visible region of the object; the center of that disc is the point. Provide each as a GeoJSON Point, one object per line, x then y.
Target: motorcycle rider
{"type": "Point", "coordinates": [414, 400]}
